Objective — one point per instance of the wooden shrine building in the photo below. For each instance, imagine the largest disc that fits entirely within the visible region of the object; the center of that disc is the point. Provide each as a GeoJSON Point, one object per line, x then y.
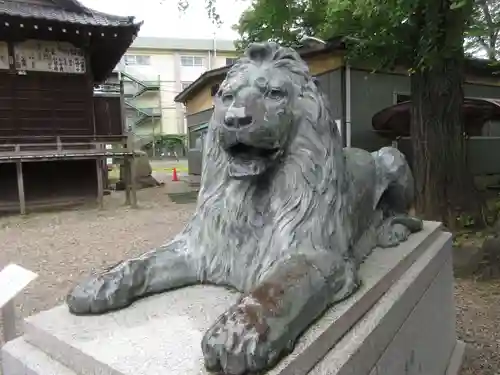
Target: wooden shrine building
{"type": "Point", "coordinates": [55, 133]}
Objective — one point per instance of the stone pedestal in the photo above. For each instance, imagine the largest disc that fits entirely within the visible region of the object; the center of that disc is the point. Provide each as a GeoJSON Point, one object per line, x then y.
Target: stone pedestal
{"type": "Point", "coordinates": [402, 321]}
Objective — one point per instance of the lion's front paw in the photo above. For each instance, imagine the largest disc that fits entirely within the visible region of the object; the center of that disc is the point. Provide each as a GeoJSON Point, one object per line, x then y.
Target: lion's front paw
{"type": "Point", "coordinates": [98, 295]}
{"type": "Point", "coordinates": [239, 342]}
{"type": "Point", "coordinates": [397, 230]}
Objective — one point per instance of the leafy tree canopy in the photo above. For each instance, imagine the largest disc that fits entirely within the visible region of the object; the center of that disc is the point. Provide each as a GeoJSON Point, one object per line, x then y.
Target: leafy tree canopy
{"type": "Point", "coordinates": [382, 31]}
{"type": "Point", "coordinates": [283, 21]}
{"type": "Point", "coordinates": [484, 32]}
{"type": "Point", "coordinates": [378, 25]}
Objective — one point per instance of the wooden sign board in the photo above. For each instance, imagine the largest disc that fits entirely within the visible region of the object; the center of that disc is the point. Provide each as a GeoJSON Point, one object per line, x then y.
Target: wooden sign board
{"type": "Point", "coordinates": [4, 55]}
{"type": "Point", "coordinates": [45, 56]}
{"type": "Point", "coordinates": [13, 279]}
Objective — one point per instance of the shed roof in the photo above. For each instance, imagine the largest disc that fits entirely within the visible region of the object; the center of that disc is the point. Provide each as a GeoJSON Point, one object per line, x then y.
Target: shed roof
{"type": "Point", "coordinates": [105, 51]}
{"type": "Point", "coordinates": [70, 11]}
{"type": "Point", "coordinates": [394, 121]}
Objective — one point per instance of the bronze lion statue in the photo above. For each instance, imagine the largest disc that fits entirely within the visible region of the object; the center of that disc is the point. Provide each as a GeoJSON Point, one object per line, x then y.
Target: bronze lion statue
{"type": "Point", "coordinates": [284, 215]}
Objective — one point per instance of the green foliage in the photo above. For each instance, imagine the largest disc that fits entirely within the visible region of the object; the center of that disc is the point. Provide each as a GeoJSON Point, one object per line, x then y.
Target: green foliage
{"type": "Point", "coordinates": [210, 6]}
{"type": "Point", "coordinates": [377, 31]}
{"type": "Point", "coordinates": [381, 32]}
{"type": "Point", "coordinates": [168, 141]}
{"type": "Point", "coordinates": [483, 35]}
{"type": "Point", "coordinates": [283, 21]}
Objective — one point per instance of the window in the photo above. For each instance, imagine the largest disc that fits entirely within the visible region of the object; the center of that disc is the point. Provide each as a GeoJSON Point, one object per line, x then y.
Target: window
{"type": "Point", "coordinates": [185, 85]}
{"type": "Point", "coordinates": [197, 137]}
{"type": "Point", "coordinates": [399, 98]}
{"type": "Point", "coordinates": [191, 61]}
{"type": "Point", "coordinates": [137, 60]}
{"type": "Point", "coordinates": [231, 60]}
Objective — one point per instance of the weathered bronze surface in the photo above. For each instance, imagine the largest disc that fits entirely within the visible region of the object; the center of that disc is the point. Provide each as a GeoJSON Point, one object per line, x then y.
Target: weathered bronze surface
{"type": "Point", "coordinates": [284, 215]}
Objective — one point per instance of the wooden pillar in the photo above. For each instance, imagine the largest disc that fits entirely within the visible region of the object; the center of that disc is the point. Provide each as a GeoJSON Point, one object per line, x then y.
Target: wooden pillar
{"type": "Point", "coordinates": [100, 184]}
{"type": "Point", "coordinates": [126, 179]}
{"type": "Point", "coordinates": [133, 185]}
{"type": "Point", "coordinates": [20, 188]}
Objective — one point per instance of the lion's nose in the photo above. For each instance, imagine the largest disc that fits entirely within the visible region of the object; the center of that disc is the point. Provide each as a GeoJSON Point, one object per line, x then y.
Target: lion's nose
{"type": "Point", "coordinates": [232, 121]}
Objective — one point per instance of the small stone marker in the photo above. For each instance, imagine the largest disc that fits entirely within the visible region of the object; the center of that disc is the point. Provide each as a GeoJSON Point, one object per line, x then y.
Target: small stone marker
{"type": "Point", "coordinates": [13, 279]}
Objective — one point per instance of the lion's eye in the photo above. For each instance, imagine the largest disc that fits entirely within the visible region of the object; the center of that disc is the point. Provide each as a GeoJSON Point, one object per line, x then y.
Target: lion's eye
{"type": "Point", "coordinates": [226, 97]}
{"type": "Point", "coordinates": [276, 94]}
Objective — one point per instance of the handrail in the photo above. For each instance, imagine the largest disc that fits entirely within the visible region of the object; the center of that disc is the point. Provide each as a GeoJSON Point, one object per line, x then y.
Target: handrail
{"type": "Point", "coordinates": [136, 108]}
{"type": "Point", "coordinates": [56, 147]}
{"type": "Point", "coordinates": [143, 90]}
{"type": "Point", "coordinates": [94, 137]}
{"type": "Point", "coordinates": [64, 144]}
{"type": "Point", "coordinates": [139, 81]}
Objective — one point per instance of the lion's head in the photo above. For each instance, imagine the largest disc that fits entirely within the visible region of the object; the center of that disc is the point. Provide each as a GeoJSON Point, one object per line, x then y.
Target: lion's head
{"type": "Point", "coordinates": [270, 119]}
{"type": "Point", "coordinates": [259, 106]}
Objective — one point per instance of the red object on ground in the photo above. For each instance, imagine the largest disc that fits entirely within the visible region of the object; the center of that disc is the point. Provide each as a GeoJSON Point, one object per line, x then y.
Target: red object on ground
{"type": "Point", "coordinates": [174, 175]}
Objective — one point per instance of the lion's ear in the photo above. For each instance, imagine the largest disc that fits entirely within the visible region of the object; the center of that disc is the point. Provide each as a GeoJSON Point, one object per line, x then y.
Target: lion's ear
{"type": "Point", "coordinates": [260, 52]}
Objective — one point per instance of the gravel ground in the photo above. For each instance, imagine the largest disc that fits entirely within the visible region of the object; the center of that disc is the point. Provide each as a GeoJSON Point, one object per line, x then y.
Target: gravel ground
{"type": "Point", "coordinates": [63, 247]}
{"type": "Point", "coordinates": [478, 324]}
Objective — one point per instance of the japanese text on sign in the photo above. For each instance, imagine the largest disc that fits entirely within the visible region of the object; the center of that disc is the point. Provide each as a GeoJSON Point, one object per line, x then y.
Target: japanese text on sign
{"type": "Point", "coordinates": [60, 57]}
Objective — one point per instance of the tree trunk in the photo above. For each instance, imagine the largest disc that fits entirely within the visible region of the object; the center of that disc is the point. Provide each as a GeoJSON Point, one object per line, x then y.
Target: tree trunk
{"type": "Point", "coordinates": [444, 186]}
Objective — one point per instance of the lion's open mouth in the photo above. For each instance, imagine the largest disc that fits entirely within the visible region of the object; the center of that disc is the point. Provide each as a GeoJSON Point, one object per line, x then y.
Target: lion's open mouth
{"type": "Point", "coordinates": [246, 161]}
{"type": "Point", "coordinates": [245, 151]}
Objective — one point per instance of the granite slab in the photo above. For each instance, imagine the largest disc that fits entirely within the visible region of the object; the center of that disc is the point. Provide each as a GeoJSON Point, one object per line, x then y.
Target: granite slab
{"type": "Point", "coordinates": [402, 327]}
{"type": "Point", "coordinates": [22, 358]}
{"type": "Point", "coordinates": [162, 334]}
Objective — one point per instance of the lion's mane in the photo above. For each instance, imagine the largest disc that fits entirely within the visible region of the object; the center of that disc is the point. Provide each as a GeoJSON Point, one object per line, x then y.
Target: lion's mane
{"type": "Point", "coordinates": [298, 210]}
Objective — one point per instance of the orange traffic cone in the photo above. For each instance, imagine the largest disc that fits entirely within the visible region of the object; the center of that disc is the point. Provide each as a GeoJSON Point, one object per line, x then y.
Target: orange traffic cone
{"type": "Point", "coordinates": [174, 175]}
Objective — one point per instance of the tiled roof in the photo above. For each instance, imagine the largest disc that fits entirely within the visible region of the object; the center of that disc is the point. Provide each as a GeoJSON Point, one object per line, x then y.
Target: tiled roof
{"type": "Point", "coordinates": [494, 101]}
{"type": "Point", "coordinates": [85, 17]}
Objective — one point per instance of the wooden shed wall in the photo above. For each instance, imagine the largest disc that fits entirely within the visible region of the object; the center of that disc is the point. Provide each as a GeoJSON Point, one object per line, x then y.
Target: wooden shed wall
{"type": "Point", "coordinates": [45, 104]}
{"type": "Point", "coordinates": [108, 115]}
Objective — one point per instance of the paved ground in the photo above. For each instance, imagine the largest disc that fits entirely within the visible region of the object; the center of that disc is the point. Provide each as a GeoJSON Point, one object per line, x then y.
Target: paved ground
{"type": "Point", "coordinates": [63, 247]}
{"type": "Point", "coordinates": [162, 170]}
{"type": "Point", "coordinates": [167, 165]}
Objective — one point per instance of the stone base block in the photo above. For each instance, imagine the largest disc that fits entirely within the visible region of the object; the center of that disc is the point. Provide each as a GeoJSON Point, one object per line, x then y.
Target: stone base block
{"type": "Point", "coordinates": [402, 321]}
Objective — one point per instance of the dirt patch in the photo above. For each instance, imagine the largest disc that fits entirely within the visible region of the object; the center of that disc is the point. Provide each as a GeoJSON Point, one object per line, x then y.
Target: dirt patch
{"type": "Point", "coordinates": [478, 324]}
{"type": "Point", "coordinates": [64, 247]}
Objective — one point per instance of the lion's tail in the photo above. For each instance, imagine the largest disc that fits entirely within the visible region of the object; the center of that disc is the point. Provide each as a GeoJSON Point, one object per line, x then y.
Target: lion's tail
{"type": "Point", "coordinates": [395, 179]}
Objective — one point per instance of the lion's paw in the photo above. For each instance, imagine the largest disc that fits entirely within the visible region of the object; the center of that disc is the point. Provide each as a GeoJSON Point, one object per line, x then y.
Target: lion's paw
{"type": "Point", "coordinates": [239, 342]}
{"type": "Point", "coordinates": [97, 295]}
{"type": "Point", "coordinates": [397, 230]}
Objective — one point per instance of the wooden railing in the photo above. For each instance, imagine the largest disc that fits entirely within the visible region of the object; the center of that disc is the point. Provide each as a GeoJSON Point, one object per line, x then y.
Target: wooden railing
{"type": "Point", "coordinates": [21, 150]}
{"type": "Point", "coordinates": [64, 145]}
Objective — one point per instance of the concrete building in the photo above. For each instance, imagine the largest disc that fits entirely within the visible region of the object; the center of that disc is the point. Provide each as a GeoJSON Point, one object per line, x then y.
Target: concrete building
{"type": "Point", "coordinates": [155, 70]}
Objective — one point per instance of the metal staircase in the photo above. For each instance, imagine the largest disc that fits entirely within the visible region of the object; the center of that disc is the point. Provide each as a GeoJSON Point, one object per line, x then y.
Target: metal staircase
{"type": "Point", "coordinates": [140, 115]}
{"type": "Point", "coordinates": [142, 85]}
{"type": "Point", "coordinates": [141, 141]}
